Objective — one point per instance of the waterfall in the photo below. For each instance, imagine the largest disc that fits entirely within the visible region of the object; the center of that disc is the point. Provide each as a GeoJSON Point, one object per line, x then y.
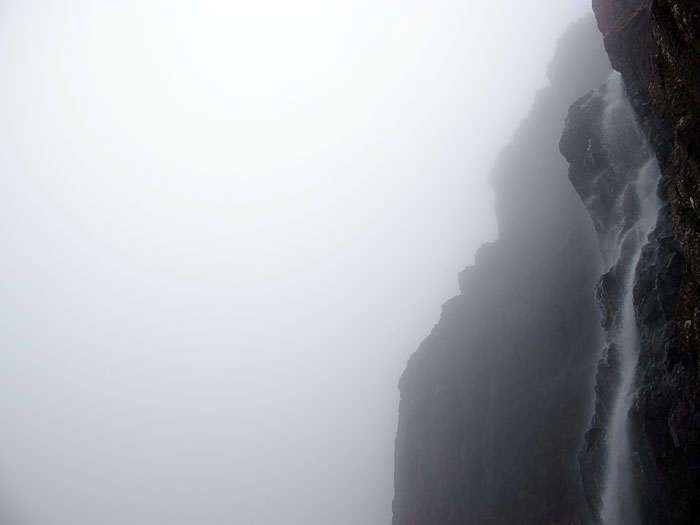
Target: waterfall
{"type": "Point", "coordinates": [633, 175]}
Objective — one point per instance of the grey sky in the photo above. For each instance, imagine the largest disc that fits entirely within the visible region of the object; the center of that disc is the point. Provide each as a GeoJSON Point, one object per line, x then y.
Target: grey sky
{"type": "Point", "coordinates": [225, 228]}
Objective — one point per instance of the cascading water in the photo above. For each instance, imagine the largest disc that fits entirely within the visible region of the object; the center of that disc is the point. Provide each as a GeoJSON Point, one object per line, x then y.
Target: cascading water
{"type": "Point", "coordinates": [631, 180]}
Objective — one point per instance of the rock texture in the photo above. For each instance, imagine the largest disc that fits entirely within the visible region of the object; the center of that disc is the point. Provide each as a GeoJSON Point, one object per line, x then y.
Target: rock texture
{"type": "Point", "coordinates": [496, 401]}
{"type": "Point", "coordinates": [655, 45]}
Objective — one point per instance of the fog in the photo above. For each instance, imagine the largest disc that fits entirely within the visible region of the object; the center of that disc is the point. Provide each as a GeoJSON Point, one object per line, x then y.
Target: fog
{"type": "Point", "coordinates": [224, 228]}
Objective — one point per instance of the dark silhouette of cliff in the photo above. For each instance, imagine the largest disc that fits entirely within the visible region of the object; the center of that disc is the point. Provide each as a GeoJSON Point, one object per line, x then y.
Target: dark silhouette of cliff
{"type": "Point", "coordinates": [496, 401]}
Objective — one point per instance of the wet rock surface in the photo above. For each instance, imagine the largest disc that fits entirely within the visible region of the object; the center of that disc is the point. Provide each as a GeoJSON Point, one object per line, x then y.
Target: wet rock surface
{"type": "Point", "coordinates": [609, 160]}
{"type": "Point", "coordinates": [656, 46]}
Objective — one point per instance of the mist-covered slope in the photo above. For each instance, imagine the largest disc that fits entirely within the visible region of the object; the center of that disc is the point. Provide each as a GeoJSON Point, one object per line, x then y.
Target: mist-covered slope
{"type": "Point", "coordinates": [505, 416]}
{"type": "Point", "coordinates": [495, 402]}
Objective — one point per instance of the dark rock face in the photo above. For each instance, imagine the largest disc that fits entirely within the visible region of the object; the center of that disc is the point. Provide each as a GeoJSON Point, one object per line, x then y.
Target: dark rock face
{"type": "Point", "coordinates": [655, 45]}
{"type": "Point", "coordinates": [496, 401]}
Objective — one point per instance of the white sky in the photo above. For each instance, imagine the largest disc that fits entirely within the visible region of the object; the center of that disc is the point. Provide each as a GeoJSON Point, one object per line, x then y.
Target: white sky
{"type": "Point", "coordinates": [224, 228]}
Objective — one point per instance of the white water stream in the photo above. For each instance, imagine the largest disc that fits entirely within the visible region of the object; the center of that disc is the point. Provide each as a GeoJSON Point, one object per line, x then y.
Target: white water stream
{"type": "Point", "coordinates": [636, 213]}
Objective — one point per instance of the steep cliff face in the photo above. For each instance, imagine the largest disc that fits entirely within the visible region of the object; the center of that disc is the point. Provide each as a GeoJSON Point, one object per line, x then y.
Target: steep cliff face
{"type": "Point", "coordinates": [654, 44]}
{"type": "Point", "coordinates": [493, 403]}
{"type": "Point", "coordinates": [496, 401]}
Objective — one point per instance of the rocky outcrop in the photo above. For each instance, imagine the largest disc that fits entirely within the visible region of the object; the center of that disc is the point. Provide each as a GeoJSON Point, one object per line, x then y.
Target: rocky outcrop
{"type": "Point", "coordinates": [496, 401]}
{"type": "Point", "coordinates": [655, 45]}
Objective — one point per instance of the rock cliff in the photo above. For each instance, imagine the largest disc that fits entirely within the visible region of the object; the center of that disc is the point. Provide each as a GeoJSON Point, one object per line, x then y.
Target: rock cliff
{"type": "Point", "coordinates": [496, 401]}
{"type": "Point", "coordinates": [563, 384]}
{"type": "Point", "coordinates": [655, 45]}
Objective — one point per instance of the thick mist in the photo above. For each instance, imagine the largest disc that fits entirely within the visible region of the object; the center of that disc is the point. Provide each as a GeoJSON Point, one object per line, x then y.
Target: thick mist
{"type": "Point", "coordinates": [224, 228]}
